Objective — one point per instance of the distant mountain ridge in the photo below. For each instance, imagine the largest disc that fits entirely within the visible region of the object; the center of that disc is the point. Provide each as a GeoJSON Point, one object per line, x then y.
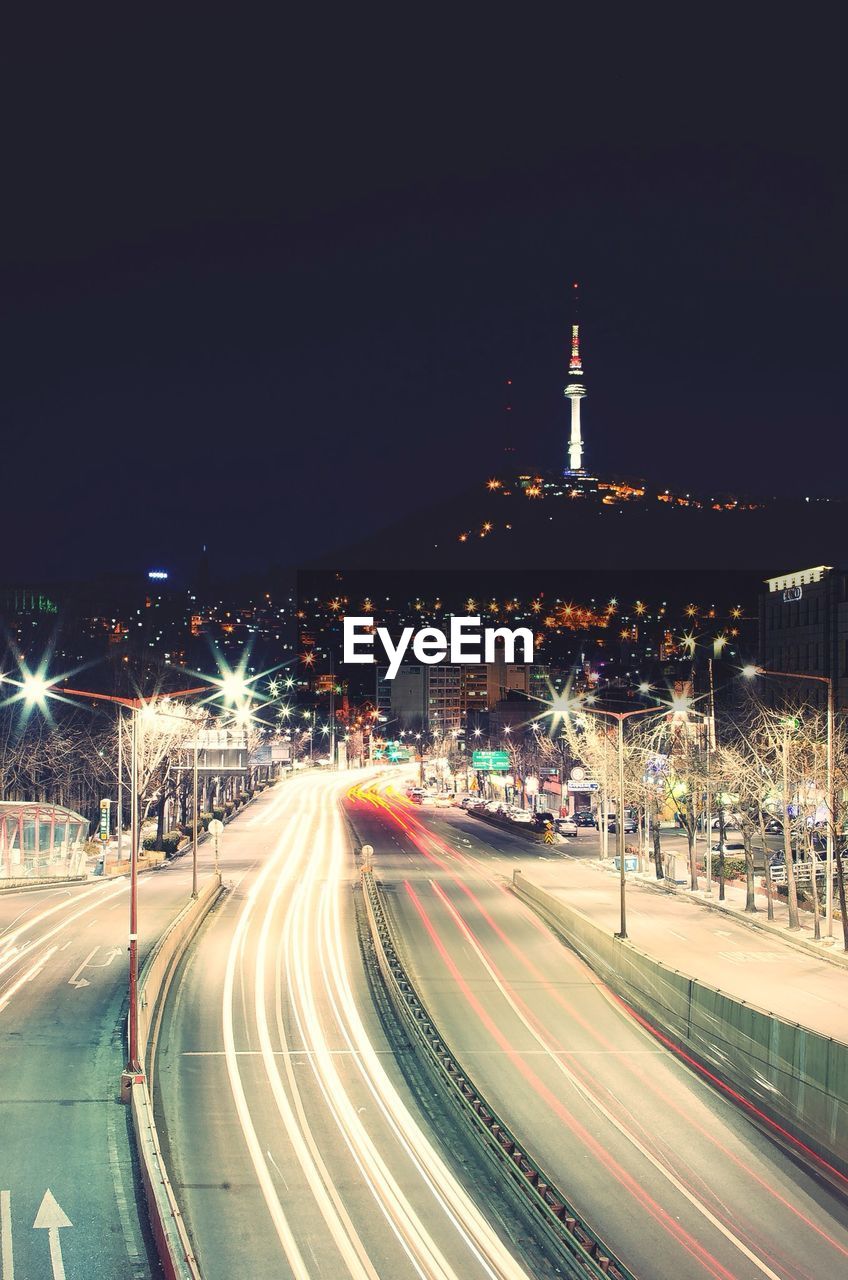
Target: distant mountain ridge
{"type": "Point", "coordinates": [501, 528]}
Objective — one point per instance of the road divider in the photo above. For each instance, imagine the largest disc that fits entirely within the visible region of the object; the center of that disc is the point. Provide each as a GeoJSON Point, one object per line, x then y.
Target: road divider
{"type": "Point", "coordinates": [169, 1230]}
{"type": "Point", "coordinates": [792, 1081]}
{"type": "Point", "coordinates": [525, 829]}
{"type": "Point", "coordinates": [581, 1251]}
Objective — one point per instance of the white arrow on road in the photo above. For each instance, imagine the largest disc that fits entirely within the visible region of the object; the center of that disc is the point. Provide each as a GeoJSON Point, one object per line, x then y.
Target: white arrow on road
{"type": "Point", "coordinates": [75, 980]}
{"type": "Point", "coordinates": [51, 1218]}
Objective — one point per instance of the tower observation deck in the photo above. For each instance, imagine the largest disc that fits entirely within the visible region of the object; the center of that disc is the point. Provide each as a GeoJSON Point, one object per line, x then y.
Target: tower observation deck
{"type": "Point", "coordinates": [575, 391]}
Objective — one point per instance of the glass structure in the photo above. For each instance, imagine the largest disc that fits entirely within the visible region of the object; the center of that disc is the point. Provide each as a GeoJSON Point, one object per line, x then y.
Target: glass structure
{"type": "Point", "coordinates": [39, 840]}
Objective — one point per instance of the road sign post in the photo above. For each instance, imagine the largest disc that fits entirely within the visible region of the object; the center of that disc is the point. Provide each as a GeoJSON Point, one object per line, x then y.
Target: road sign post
{"type": "Point", "coordinates": [215, 829]}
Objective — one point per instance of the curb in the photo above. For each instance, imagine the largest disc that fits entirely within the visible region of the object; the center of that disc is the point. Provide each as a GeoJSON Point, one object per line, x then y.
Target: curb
{"type": "Point", "coordinates": [173, 1244]}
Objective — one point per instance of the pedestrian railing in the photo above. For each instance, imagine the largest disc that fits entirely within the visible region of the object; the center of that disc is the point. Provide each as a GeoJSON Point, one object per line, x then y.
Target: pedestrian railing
{"type": "Point", "coordinates": [804, 871]}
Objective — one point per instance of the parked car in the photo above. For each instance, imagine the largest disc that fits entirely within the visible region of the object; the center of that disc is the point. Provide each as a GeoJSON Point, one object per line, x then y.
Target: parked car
{"type": "Point", "coordinates": [732, 848]}
{"type": "Point", "coordinates": [523, 816]}
{"type": "Point", "coordinates": [612, 824]}
{"type": "Point", "coordinates": [566, 826]}
{"type": "Point", "coordinates": [541, 819]}
{"type": "Point", "coordinates": [585, 818]}
{"type": "Point", "coordinates": [468, 802]}
{"type": "Point", "coordinates": [494, 806]}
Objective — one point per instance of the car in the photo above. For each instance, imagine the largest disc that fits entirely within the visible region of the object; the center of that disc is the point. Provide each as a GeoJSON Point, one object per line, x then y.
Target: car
{"type": "Point", "coordinates": [494, 806]}
{"type": "Point", "coordinates": [774, 827]}
{"type": "Point", "coordinates": [732, 848]}
{"type": "Point", "coordinates": [541, 819]}
{"type": "Point", "coordinates": [523, 816]}
{"type": "Point", "coordinates": [566, 826]}
{"type": "Point", "coordinates": [468, 802]}
{"type": "Point", "coordinates": [585, 818]}
{"type": "Point", "coordinates": [612, 825]}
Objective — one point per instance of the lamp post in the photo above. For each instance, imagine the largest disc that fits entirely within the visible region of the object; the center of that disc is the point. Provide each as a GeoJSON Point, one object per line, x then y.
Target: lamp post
{"type": "Point", "coordinates": [620, 717]}
{"type": "Point", "coordinates": [753, 671]}
{"type": "Point", "coordinates": [136, 706]}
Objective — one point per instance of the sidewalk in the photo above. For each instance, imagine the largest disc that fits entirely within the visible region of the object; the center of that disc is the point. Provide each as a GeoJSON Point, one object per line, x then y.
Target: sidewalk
{"type": "Point", "coordinates": [678, 928]}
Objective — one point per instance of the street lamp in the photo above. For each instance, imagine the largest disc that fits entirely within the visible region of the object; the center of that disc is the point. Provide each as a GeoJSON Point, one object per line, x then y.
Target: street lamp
{"type": "Point", "coordinates": [620, 717]}
{"type": "Point", "coordinates": [750, 672]}
{"type": "Point", "coordinates": [561, 707]}
{"type": "Point", "coordinates": [36, 690]}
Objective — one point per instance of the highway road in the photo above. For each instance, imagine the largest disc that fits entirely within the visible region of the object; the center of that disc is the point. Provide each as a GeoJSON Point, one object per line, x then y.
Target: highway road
{"type": "Point", "coordinates": [673, 1176]}
{"type": "Point", "coordinates": [295, 1145]}
{"type": "Point", "coordinates": [63, 980]}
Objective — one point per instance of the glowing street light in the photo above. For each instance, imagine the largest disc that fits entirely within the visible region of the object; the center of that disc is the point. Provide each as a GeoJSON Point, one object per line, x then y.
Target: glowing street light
{"type": "Point", "coordinates": [35, 688]}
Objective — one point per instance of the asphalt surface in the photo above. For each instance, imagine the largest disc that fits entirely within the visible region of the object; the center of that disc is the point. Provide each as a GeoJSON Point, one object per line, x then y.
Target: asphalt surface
{"type": "Point", "coordinates": [294, 1144]}
{"type": "Point", "coordinates": [670, 1172]}
{"type": "Point", "coordinates": [63, 983]}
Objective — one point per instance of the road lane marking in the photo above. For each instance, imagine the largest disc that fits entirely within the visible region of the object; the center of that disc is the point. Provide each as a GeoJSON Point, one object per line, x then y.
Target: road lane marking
{"type": "Point", "coordinates": [30, 973]}
{"type": "Point", "coordinates": [129, 1223]}
{"type": "Point", "coordinates": [750, 957]}
{"type": "Point", "coordinates": [339, 1224]}
{"type": "Point", "coordinates": [471, 1225]}
{"type": "Point", "coordinates": [52, 1219]}
{"type": "Point", "coordinates": [301, 922]}
{"type": "Point", "coordinates": [56, 928]}
{"type": "Point", "coordinates": [272, 1201]}
{"type": "Point", "coordinates": [75, 980]}
{"type": "Point", "coordinates": [601, 1107]}
{"type": "Point", "coordinates": [7, 1261]}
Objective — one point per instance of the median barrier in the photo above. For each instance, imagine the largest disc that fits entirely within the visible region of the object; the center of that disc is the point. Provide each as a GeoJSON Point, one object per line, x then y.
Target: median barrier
{"type": "Point", "coordinates": [786, 1074]}
{"type": "Point", "coordinates": [582, 1253]}
{"type": "Point", "coordinates": [525, 829]}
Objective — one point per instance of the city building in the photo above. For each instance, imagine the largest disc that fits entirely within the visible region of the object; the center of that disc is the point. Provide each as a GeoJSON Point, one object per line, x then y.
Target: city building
{"type": "Point", "coordinates": [803, 620]}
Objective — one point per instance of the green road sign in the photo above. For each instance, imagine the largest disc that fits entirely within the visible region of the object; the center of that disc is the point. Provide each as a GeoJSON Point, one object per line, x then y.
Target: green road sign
{"type": "Point", "coordinates": [492, 760]}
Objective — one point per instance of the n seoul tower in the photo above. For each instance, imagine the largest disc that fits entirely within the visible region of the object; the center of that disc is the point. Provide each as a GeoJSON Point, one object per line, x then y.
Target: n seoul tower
{"type": "Point", "coordinates": [575, 391]}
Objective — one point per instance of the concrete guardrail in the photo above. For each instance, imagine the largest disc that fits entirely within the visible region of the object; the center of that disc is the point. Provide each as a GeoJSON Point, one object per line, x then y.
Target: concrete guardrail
{"type": "Point", "coordinates": [169, 1230]}
{"type": "Point", "coordinates": [793, 1077]}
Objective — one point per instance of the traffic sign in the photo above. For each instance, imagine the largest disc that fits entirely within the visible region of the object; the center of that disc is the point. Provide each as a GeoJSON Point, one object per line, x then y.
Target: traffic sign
{"type": "Point", "coordinates": [491, 760]}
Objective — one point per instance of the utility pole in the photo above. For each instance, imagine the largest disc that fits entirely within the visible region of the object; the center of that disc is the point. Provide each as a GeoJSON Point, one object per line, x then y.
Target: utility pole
{"type": "Point", "coordinates": [120, 782]}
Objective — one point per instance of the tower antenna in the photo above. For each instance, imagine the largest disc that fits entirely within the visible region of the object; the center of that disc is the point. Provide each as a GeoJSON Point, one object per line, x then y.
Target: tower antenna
{"type": "Point", "coordinates": [575, 391]}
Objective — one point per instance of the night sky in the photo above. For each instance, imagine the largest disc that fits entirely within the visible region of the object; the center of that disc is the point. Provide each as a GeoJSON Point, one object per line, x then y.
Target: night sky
{"type": "Point", "coordinates": [262, 287]}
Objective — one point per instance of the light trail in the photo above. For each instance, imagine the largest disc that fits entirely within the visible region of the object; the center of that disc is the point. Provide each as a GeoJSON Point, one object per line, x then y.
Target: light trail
{"type": "Point", "coordinates": [634, 1068]}
{"type": "Point", "coordinates": [296, 899]}
{"type": "Point", "coordinates": [626, 1180]}
{"type": "Point", "coordinates": [462, 1211]}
